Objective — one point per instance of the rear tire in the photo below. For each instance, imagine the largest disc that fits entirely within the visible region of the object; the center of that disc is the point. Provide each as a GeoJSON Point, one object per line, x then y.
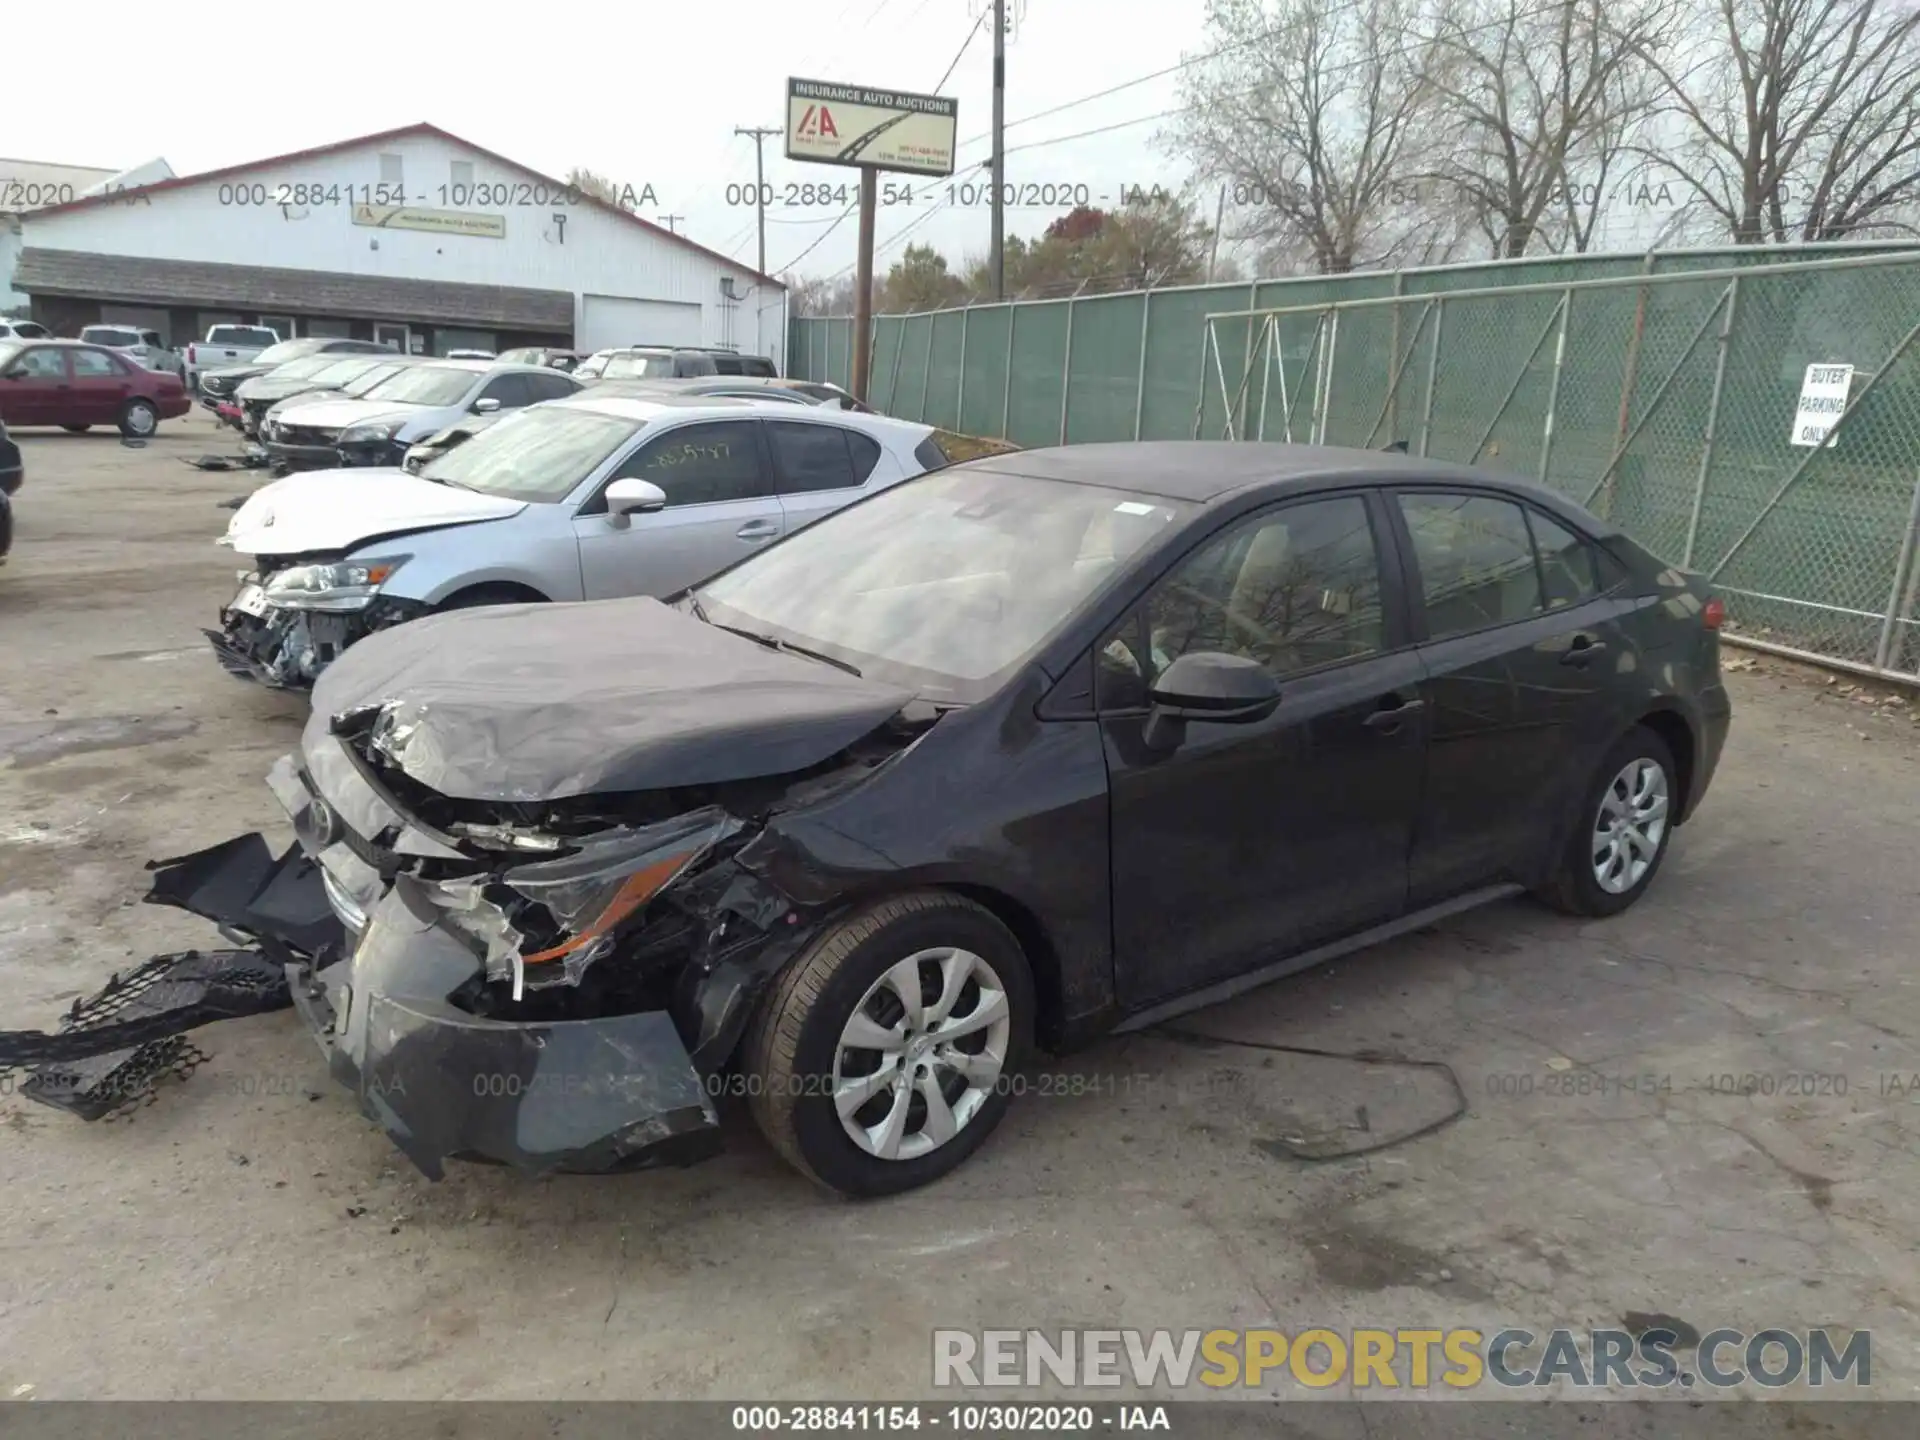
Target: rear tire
{"type": "Point", "coordinates": [801, 1072]}
{"type": "Point", "coordinates": [76, 429]}
{"type": "Point", "coordinates": [1622, 831]}
{"type": "Point", "coordinates": [138, 419]}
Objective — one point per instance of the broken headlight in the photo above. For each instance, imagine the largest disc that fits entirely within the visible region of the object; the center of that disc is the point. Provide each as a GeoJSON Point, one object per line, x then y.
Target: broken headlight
{"type": "Point", "coordinates": [545, 923]}
{"type": "Point", "coordinates": [374, 432]}
{"type": "Point", "coordinates": [349, 585]}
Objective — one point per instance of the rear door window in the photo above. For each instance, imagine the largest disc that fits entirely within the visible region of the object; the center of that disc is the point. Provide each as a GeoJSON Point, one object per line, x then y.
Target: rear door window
{"type": "Point", "coordinates": [1475, 557]}
{"type": "Point", "coordinates": [549, 387]}
{"type": "Point", "coordinates": [811, 457]}
{"type": "Point", "coordinates": [1569, 569]}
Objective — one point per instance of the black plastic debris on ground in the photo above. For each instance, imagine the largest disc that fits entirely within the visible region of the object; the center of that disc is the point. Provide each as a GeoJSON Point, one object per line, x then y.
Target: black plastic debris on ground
{"type": "Point", "coordinates": [113, 1046]}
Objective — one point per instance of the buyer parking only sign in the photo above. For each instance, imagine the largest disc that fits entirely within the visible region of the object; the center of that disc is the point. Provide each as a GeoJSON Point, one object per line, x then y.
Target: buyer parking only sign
{"type": "Point", "coordinates": [887, 129]}
{"type": "Point", "coordinates": [1823, 400]}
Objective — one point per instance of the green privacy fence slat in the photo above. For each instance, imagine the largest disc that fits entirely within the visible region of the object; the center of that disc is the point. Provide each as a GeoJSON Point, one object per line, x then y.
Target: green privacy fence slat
{"type": "Point", "coordinates": [1119, 387]}
{"type": "Point", "coordinates": [1669, 405]}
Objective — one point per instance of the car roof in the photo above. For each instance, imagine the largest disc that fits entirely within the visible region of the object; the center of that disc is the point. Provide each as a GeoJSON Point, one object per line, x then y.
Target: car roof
{"type": "Point", "coordinates": [1210, 470]}
{"type": "Point", "coordinates": [642, 405]}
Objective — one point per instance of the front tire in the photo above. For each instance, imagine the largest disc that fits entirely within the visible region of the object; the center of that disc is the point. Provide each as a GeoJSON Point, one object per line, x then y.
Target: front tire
{"type": "Point", "coordinates": [1623, 830]}
{"type": "Point", "coordinates": [881, 1059]}
{"type": "Point", "coordinates": [138, 419]}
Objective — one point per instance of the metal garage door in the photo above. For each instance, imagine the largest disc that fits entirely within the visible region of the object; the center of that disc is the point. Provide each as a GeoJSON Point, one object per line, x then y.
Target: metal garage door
{"type": "Point", "coordinates": [609, 320]}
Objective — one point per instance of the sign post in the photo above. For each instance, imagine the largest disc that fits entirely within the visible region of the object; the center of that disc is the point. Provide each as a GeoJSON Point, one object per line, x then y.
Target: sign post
{"type": "Point", "coordinates": [872, 130]}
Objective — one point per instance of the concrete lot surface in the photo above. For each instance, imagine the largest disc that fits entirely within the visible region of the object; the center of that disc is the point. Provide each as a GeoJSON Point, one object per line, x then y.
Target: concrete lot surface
{"type": "Point", "coordinates": [1704, 1109]}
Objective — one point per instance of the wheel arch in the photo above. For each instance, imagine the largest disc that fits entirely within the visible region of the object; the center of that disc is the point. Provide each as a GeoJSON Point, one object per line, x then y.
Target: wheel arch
{"type": "Point", "coordinates": [1043, 959]}
{"type": "Point", "coordinates": [1673, 726]}
{"type": "Point", "coordinates": [502, 592]}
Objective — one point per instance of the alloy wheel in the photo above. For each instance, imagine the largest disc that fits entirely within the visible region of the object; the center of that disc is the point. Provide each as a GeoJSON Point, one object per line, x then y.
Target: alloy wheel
{"type": "Point", "coordinates": [1630, 825]}
{"type": "Point", "coordinates": [921, 1053]}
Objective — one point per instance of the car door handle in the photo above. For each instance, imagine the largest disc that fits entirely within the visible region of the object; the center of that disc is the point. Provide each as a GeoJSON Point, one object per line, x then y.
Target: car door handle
{"type": "Point", "coordinates": [1390, 717]}
{"type": "Point", "coordinates": [1582, 650]}
{"type": "Point", "coordinates": [758, 530]}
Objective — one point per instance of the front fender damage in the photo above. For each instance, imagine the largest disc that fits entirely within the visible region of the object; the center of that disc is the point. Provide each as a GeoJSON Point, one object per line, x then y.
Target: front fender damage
{"type": "Point", "coordinates": [601, 1058]}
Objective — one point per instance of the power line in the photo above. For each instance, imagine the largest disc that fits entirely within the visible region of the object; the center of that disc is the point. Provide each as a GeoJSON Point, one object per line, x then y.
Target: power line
{"type": "Point", "coordinates": [961, 54]}
{"type": "Point", "coordinates": [1548, 8]}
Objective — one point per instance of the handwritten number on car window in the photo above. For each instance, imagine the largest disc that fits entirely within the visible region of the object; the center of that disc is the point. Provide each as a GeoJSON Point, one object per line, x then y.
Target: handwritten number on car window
{"type": "Point", "coordinates": [689, 453]}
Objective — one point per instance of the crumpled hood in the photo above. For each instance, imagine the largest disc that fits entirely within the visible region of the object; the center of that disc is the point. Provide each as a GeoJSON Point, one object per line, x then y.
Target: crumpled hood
{"type": "Point", "coordinates": [339, 414]}
{"type": "Point", "coordinates": [338, 509]}
{"type": "Point", "coordinates": [541, 702]}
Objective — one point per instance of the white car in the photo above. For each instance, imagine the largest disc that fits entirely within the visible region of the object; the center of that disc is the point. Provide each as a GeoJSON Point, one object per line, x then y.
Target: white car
{"type": "Point", "coordinates": [143, 347]}
{"type": "Point", "coordinates": [580, 499]}
{"type": "Point", "coordinates": [378, 428]}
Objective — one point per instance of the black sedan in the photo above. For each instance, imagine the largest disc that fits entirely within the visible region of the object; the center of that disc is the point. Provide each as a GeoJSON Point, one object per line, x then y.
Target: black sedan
{"type": "Point", "coordinates": [1021, 751]}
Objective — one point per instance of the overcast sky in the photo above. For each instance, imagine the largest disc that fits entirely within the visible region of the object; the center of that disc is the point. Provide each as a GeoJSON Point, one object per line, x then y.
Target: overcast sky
{"type": "Point", "coordinates": [647, 94]}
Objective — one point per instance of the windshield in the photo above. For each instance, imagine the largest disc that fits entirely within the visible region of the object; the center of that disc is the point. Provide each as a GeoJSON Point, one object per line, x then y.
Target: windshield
{"type": "Point", "coordinates": [372, 378]}
{"type": "Point", "coordinates": [949, 581]}
{"type": "Point", "coordinates": [107, 335]}
{"type": "Point", "coordinates": [274, 354]}
{"type": "Point", "coordinates": [303, 368]}
{"type": "Point", "coordinates": [540, 454]}
{"type": "Point", "coordinates": [425, 385]}
{"type": "Point", "coordinates": [332, 369]}
{"type": "Point", "coordinates": [639, 367]}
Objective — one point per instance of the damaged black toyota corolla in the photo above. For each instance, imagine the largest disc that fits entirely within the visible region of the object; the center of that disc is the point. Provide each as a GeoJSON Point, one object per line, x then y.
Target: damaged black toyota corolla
{"type": "Point", "coordinates": [1026, 749]}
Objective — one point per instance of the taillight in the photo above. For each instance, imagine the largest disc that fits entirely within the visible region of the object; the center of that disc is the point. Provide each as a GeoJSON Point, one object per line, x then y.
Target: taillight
{"type": "Point", "coordinates": [190, 355]}
{"type": "Point", "coordinates": [1713, 614]}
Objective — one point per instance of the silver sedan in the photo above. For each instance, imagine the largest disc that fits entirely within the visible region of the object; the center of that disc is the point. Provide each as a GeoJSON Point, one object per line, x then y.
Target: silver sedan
{"type": "Point", "coordinates": [579, 499]}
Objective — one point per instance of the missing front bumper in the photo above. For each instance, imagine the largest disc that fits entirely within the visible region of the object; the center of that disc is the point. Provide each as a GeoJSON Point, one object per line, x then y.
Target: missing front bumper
{"type": "Point", "coordinates": [614, 1093]}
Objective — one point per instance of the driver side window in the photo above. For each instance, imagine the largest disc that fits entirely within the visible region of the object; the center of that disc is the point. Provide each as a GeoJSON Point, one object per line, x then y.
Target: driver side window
{"type": "Point", "coordinates": [42, 363]}
{"type": "Point", "coordinates": [1295, 589]}
{"type": "Point", "coordinates": [702, 464]}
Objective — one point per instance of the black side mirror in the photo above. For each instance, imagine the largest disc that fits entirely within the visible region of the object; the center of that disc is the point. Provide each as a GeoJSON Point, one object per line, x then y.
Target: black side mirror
{"type": "Point", "coordinates": [1208, 685]}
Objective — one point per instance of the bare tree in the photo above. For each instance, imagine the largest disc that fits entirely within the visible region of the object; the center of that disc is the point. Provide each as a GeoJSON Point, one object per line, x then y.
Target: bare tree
{"type": "Point", "coordinates": [1802, 117]}
{"type": "Point", "coordinates": [1311, 110]}
{"type": "Point", "coordinates": [1535, 100]}
{"type": "Point", "coordinates": [833, 295]}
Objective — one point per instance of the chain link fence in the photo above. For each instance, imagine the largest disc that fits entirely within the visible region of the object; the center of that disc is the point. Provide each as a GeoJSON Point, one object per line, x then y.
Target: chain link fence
{"type": "Point", "coordinates": [1660, 389]}
{"type": "Point", "coordinates": [1668, 403]}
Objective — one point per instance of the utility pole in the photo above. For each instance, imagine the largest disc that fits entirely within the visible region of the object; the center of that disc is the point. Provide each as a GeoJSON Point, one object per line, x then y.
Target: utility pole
{"type": "Point", "coordinates": [997, 253]}
{"type": "Point", "coordinates": [1219, 214]}
{"type": "Point", "coordinates": [863, 283]}
{"type": "Point", "coordinates": [759, 137]}
{"type": "Point", "coordinates": [672, 222]}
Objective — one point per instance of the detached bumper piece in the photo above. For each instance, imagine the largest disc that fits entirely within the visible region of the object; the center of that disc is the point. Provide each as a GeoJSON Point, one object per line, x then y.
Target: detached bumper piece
{"type": "Point", "coordinates": [581, 1096]}
{"type": "Point", "coordinates": [115, 1045]}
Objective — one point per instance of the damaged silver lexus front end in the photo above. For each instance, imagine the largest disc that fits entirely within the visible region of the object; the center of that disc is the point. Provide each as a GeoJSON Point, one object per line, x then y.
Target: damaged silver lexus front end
{"type": "Point", "coordinates": [293, 617]}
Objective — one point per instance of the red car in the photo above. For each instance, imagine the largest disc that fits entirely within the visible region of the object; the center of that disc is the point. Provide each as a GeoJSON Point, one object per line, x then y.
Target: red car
{"type": "Point", "coordinates": [74, 386]}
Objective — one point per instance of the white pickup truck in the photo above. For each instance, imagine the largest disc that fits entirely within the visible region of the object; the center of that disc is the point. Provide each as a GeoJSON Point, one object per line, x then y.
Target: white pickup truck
{"type": "Point", "coordinates": [227, 345]}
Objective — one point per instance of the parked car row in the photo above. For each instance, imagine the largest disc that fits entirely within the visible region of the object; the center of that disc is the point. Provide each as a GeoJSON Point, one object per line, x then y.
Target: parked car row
{"type": "Point", "coordinates": [670, 362]}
